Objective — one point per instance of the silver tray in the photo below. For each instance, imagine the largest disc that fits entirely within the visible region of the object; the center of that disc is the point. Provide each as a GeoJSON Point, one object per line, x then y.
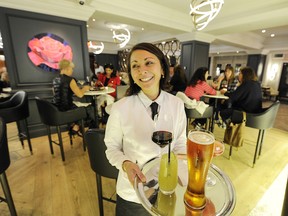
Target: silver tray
{"type": "Point", "coordinates": [222, 194]}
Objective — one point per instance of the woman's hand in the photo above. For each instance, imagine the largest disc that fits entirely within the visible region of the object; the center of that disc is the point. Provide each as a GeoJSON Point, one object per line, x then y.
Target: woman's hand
{"type": "Point", "coordinates": [223, 91]}
{"type": "Point", "coordinates": [99, 83]}
{"type": "Point", "coordinates": [214, 85]}
{"type": "Point", "coordinates": [133, 171]}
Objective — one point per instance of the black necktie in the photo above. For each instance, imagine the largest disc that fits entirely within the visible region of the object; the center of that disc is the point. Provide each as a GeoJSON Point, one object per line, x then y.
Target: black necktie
{"type": "Point", "coordinates": [154, 108]}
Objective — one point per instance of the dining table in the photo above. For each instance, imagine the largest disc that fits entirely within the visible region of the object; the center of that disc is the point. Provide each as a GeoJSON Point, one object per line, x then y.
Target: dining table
{"type": "Point", "coordinates": [93, 93]}
{"type": "Point", "coordinates": [218, 96]}
{"type": "Point", "coordinates": [221, 196]}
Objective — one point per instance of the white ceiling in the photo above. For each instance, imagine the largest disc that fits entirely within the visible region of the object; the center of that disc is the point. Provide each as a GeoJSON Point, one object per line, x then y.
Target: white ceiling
{"type": "Point", "coordinates": [236, 28]}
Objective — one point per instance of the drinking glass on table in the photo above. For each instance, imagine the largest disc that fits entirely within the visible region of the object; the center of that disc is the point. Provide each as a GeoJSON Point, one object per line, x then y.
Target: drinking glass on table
{"type": "Point", "coordinates": [162, 136]}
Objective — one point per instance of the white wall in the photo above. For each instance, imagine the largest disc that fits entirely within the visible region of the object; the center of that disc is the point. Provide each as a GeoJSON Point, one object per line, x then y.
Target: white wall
{"type": "Point", "coordinates": [273, 69]}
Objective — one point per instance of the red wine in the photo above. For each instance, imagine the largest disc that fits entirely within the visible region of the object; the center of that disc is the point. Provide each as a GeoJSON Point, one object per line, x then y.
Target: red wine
{"type": "Point", "coordinates": [162, 138]}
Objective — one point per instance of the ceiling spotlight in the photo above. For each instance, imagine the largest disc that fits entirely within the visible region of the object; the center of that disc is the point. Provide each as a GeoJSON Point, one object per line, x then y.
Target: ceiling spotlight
{"type": "Point", "coordinates": [272, 35]}
{"type": "Point", "coordinates": [263, 31]}
{"type": "Point", "coordinates": [121, 36]}
{"type": "Point", "coordinates": [203, 12]}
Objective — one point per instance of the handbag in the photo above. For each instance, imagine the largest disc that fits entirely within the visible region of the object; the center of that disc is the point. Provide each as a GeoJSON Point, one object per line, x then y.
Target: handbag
{"type": "Point", "coordinates": [233, 135]}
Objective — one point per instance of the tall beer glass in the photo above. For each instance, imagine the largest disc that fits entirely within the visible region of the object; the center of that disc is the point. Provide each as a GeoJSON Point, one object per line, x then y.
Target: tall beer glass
{"type": "Point", "coordinates": [200, 148]}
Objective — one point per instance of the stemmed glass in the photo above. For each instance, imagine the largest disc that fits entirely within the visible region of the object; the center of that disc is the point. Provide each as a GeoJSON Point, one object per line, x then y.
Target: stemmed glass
{"type": "Point", "coordinates": [219, 148]}
{"type": "Point", "coordinates": [163, 136]}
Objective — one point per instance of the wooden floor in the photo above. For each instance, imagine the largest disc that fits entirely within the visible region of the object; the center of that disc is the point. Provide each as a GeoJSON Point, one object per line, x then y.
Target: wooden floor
{"type": "Point", "coordinates": [43, 185]}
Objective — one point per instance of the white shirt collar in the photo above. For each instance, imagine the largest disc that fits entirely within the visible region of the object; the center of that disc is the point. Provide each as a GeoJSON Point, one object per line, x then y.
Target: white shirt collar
{"type": "Point", "coordinates": [147, 101]}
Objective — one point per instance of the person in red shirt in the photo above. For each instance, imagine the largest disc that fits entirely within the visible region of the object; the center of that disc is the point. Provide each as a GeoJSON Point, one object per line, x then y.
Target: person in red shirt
{"type": "Point", "coordinates": [198, 86]}
{"type": "Point", "coordinates": [111, 79]}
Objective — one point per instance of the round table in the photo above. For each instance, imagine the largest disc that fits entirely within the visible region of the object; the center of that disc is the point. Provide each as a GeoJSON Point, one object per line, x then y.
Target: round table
{"type": "Point", "coordinates": [94, 93]}
{"type": "Point", "coordinates": [216, 97]}
{"type": "Point", "coordinates": [222, 194]}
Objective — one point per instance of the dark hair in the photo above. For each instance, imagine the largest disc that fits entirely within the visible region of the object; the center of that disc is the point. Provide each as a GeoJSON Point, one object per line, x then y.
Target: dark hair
{"type": "Point", "coordinates": [134, 88]}
{"type": "Point", "coordinates": [248, 74]}
{"type": "Point", "coordinates": [110, 66]}
{"type": "Point", "coordinates": [180, 73]}
{"type": "Point", "coordinates": [199, 75]}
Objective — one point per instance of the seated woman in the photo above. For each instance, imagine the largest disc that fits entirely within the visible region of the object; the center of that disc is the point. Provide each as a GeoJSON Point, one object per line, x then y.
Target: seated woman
{"type": "Point", "coordinates": [64, 87]}
{"type": "Point", "coordinates": [197, 87]}
{"type": "Point", "coordinates": [227, 84]}
{"type": "Point", "coordinates": [4, 79]}
{"type": "Point", "coordinates": [247, 97]}
{"type": "Point", "coordinates": [111, 79]}
{"type": "Point", "coordinates": [178, 80]}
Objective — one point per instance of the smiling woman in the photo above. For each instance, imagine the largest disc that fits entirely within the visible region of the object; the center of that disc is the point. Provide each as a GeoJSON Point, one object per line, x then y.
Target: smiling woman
{"type": "Point", "coordinates": [129, 144]}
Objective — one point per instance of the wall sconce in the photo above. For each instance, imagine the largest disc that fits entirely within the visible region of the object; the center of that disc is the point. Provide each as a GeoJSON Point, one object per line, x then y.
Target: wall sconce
{"type": "Point", "coordinates": [273, 71]}
{"type": "Point", "coordinates": [97, 49]}
{"type": "Point", "coordinates": [1, 43]}
{"type": "Point", "coordinates": [203, 12]}
{"type": "Point", "coordinates": [121, 36]}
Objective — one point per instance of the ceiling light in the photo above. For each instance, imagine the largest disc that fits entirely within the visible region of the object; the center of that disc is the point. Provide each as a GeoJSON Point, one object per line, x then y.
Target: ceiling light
{"type": "Point", "coordinates": [203, 12]}
{"type": "Point", "coordinates": [272, 35]}
{"type": "Point", "coordinates": [97, 49]}
{"type": "Point", "coordinates": [263, 31]}
{"type": "Point", "coordinates": [121, 36]}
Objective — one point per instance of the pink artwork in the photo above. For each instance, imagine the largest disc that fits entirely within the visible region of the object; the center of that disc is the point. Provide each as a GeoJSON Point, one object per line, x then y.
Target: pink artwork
{"type": "Point", "coordinates": [46, 50]}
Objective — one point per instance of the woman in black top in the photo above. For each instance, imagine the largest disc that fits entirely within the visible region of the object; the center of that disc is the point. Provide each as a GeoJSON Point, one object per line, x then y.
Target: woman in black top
{"type": "Point", "coordinates": [247, 97]}
{"type": "Point", "coordinates": [64, 87]}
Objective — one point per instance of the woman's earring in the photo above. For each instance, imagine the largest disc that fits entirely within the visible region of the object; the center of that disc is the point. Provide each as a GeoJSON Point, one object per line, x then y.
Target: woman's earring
{"type": "Point", "coordinates": [162, 75]}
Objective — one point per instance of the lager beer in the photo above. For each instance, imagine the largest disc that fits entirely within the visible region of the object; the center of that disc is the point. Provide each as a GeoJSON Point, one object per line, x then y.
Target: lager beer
{"type": "Point", "coordinates": [200, 148]}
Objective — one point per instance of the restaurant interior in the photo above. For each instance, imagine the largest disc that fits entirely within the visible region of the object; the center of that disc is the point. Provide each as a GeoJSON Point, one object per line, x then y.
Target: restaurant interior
{"type": "Point", "coordinates": [242, 33]}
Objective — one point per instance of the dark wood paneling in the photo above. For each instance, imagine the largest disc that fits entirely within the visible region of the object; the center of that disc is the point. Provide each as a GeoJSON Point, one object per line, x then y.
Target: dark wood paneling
{"type": "Point", "coordinates": [17, 28]}
{"type": "Point", "coordinates": [194, 54]}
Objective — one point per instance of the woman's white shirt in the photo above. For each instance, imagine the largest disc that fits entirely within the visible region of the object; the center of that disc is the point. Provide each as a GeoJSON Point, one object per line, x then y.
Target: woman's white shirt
{"type": "Point", "coordinates": [129, 131]}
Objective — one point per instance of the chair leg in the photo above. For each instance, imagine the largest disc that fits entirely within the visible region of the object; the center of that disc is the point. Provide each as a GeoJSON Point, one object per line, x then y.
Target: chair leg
{"type": "Point", "coordinates": [83, 133]}
{"type": "Point", "coordinates": [7, 193]}
{"type": "Point", "coordinates": [230, 151]}
{"type": "Point", "coordinates": [99, 190]}
{"type": "Point", "coordinates": [256, 148]}
{"type": "Point", "coordinates": [28, 136]}
{"type": "Point", "coordinates": [60, 143]}
{"type": "Point", "coordinates": [19, 134]}
{"type": "Point", "coordinates": [50, 140]}
{"type": "Point", "coordinates": [261, 143]}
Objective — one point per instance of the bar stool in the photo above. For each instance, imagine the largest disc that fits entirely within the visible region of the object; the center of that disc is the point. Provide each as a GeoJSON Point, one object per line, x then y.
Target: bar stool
{"type": "Point", "coordinates": [16, 109]}
{"type": "Point", "coordinates": [4, 164]}
{"type": "Point", "coordinates": [99, 163]}
{"type": "Point", "coordinates": [194, 114]}
{"type": "Point", "coordinates": [51, 116]}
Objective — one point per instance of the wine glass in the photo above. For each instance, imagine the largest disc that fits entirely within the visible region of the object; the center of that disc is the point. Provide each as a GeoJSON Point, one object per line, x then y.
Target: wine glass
{"type": "Point", "coordinates": [219, 148]}
{"type": "Point", "coordinates": [163, 127]}
{"type": "Point", "coordinates": [163, 136]}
